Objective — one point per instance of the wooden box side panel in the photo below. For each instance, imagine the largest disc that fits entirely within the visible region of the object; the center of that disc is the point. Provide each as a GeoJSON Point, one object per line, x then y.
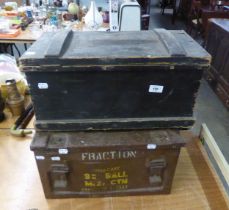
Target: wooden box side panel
{"type": "Point", "coordinates": [114, 94]}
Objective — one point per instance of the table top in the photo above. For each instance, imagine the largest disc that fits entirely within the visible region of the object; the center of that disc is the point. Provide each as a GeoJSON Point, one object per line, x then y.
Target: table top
{"type": "Point", "coordinates": [208, 12]}
{"type": "Point", "coordinates": [195, 185]}
{"type": "Point", "coordinates": [216, 9]}
{"type": "Point", "coordinates": [221, 22]}
{"type": "Point", "coordinates": [26, 36]}
{"type": "Point", "coordinates": [30, 34]}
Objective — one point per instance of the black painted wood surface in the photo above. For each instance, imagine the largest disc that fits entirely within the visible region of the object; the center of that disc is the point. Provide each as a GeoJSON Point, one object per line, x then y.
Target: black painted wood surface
{"type": "Point", "coordinates": [101, 80]}
{"type": "Point", "coordinates": [118, 48]}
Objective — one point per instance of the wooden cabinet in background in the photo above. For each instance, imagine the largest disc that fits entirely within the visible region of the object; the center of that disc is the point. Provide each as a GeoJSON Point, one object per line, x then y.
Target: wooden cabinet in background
{"type": "Point", "coordinates": [218, 46]}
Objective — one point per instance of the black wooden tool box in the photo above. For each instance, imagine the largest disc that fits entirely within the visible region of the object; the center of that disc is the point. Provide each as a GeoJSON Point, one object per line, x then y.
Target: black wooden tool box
{"type": "Point", "coordinates": [123, 80]}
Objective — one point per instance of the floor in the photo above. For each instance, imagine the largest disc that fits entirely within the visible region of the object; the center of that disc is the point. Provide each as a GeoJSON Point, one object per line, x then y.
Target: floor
{"type": "Point", "coordinates": [209, 109]}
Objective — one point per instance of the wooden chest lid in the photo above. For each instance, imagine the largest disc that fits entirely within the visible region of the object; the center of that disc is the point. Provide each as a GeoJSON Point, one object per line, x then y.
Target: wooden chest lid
{"type": "Point", "coordinates": [156, 47]}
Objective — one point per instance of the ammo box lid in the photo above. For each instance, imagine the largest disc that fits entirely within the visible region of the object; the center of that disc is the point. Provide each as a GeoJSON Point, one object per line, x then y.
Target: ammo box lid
{"type": "Point", "coordinates": [157, 47]}
{"type": "Point", "coordinates": [101, 139]}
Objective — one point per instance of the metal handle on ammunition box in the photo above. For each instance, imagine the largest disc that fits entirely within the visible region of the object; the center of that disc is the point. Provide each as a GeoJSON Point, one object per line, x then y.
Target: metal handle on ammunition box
{"type": "Point", "coordinates": [58, 175]}
{"type": "Point", "coordinates": [156, 170]}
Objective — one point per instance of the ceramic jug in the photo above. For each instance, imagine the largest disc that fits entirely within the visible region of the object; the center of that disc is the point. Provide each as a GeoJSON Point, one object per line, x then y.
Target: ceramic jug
{"type": "Point", "coordinates": [93, 18]}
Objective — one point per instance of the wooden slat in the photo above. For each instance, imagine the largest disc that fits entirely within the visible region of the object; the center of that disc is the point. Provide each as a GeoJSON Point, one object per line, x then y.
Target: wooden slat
{"type": "Point", "coordinates": [55, 49]}
{"type": "Point", "coordinates": [171, 43]}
